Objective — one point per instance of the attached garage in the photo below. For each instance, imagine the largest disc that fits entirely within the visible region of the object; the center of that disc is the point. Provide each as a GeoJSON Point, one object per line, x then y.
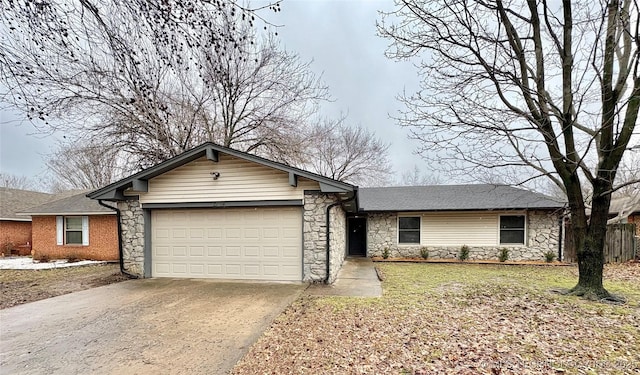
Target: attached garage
{"type": "Point", "coordinates": [241, 243]}
{"type": "Point", "coordinates": [218, 213]}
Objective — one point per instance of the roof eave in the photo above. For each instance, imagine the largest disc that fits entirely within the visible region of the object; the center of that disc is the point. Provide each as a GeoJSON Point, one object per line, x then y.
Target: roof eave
{"type": "Point", "coordinates": [14, 219]}
{"type": "Point", "coordinates": [68, 213]}
{"type": "Point", "coordinates": [459, 209]}
{"type": "Point", "coordinates": [114, 191]}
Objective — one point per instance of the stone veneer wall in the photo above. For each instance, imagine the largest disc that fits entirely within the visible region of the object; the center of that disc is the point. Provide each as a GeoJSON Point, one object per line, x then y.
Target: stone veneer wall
{"type": "Point", "coordinates": [338, 241]}
{"type": "Point", "coordinates": [542, 236]}
{"type": "Point", "coordinates": [131, 215]}
{"type": "Point", "coordinates": [314, 234]}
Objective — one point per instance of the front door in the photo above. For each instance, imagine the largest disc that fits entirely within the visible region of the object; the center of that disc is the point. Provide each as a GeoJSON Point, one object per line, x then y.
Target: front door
{"type": "Point", "coordinates": [357, 236]}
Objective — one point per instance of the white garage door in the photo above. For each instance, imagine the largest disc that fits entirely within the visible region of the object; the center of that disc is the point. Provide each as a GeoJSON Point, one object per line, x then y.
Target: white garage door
{"type": "Point", "coordinates": [247, 243]}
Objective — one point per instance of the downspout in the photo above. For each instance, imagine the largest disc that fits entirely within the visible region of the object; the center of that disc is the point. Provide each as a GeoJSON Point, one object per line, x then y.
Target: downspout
{"type": "Point", "coordinates": [561, 224]}
{"type": "Point", "coordinates": [560, 234]}
{"type": "Point", "coordinates": [329, 207]}
{"type": "Point", "coordinates": [120, 251]}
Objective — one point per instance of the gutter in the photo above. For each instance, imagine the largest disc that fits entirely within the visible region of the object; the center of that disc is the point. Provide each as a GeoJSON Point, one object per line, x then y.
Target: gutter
{"type": "Point", "coordinates": [120, 251]}
{"type": "Point", "coordinates": [327, 247]}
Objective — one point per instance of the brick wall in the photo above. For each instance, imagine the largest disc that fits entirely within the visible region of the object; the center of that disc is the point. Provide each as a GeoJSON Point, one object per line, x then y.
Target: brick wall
{"type": "Point", "coordinates": [103, 239]}
{"type": "Point", "coordinates": [14, 234]}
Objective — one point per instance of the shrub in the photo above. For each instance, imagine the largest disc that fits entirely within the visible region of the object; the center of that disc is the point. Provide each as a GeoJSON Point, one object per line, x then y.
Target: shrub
{"type": "Point", "coordinates": [424, 253]}
{"type": "Point", "coordinates": [7, 246]}
{"type": "Point", "coordinates": [385, 253]}
{"type": "Point", "coordinates": [73, 258]}
{"type": "Point", "coordinates": [43, 258]}
{"type": "Point", "coordinates": [549, 256]}
{"type": "Point", "coordinates": [464, 253]}
{"type": "Point", "coordinates": [504, 254]}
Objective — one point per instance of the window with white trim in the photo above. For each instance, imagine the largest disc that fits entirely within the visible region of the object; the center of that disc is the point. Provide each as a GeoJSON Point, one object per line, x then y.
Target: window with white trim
{"type": "Point", "coordinates": [72, 230]}
{"type": "Point", "coordinates": [512, 229]}
{"type": "Point", "coordinates": [409, 230]}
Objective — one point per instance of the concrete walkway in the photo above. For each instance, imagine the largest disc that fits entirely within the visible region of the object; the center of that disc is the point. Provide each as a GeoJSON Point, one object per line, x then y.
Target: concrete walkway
{"type": "Point", "coordinates": [357, 278]}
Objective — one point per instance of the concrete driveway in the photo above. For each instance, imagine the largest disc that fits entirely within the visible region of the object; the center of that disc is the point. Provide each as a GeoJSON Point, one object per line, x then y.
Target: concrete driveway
{"type": "Point", "coordinates": [152, 326]}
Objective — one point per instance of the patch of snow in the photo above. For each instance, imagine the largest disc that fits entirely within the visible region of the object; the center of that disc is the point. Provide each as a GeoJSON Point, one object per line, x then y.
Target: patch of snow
{"type": "Point", "coordinates": [26, 263]}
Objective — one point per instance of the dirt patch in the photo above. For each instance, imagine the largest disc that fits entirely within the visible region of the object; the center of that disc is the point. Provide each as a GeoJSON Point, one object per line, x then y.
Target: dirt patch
{"type": "Point", "coordinates": [24, 286]}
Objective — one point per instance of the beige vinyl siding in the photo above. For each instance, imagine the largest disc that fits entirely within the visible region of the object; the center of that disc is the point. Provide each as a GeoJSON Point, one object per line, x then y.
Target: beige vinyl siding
{"type": "Point", "coordinates": [239, 180]}
{"type": "Point", "coordinates": [460, 228]}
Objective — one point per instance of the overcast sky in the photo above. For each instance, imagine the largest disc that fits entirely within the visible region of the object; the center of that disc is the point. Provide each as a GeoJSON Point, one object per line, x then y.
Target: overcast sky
{"type": "Point", "coordinates": [340, 38]}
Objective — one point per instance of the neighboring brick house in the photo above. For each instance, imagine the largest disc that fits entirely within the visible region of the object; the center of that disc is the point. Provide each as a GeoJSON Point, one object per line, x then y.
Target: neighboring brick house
{"type": "Point", "coordinates": [15, 230]}
{"type": "Point", "coordinates": [75, 226]}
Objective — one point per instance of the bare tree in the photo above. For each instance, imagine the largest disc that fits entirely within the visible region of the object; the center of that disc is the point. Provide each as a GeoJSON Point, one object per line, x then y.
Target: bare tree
{"type": "Point", "coordinates": [628, 176]}
{"type": "Point", "coordinates": [155, 77]}
{"type": "Point", "coordinates": [13, 181]}
{"type": "Point", "coordinates": [87, 165]}
{"type": "Point", "coordinates": [552, 88]}
{"type": "Point", "coordinates": [345, 153]}
{"type": "Point", "coordinates": [416, 177]}
{"type": "Point", "coordinates": [154, 92]}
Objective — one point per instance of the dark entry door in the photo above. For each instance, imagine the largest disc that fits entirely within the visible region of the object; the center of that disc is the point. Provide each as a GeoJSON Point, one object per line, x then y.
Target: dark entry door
{"type": "Point", "coordinates": [357, 236]}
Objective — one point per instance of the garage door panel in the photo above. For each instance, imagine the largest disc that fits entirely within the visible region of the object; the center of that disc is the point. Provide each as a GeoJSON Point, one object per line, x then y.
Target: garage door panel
{"type": "Point", "coordinates": [288, 270]}
{"type": "Point", "coordinates": [196, 251]}
{"type": "Point", "coordinates": [162, 267]}
{"type": "Point", "coordinates": [252, 233]}
{"type": "Point", "coordinates": [271, 251]}
{"type": "Point", "coordinates": [214, 233]}
{"type": "Point", "coordinates": [179, 234]}
{"type": "Point", "coordinates": [196, 269]}
{"type": "Point", "coordinates": [196, 233]}
{"type": "Point", "coordinates": [214, 270]}
{"type": "Point", "coordinates": [214, 251]}
{"type": "Point", "coordinates": [179, 268]}
{"type": "Point", "coordinates": [233, 233]}
{"type": "Point", "coordinates": [162, 251]}
{"type": "Point", "coordinates": [251, 270]}
{"type": "Point", "coordinates": [162, 233]}
{"type": "Point", "coordinates": [179, 251]}
{"type": "Point", "coordinates": [233, 251]}
{"type": "Point", "coordinates": [247, 243]}
{"type": "Point", "coordinates": [252, 251]}
{"type": "Point", "coordinates": [271, 233]}
{"type": "Point", "coordinates": [289, 252]}
{"type": "Point", "coordinates": [233, 269]}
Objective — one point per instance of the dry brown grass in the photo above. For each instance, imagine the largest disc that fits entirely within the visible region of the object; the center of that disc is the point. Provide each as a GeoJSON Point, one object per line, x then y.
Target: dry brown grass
{"type": "Point", "coordinates": [458, 319]}
{"type": "Point", "coordinates": [23, 286]}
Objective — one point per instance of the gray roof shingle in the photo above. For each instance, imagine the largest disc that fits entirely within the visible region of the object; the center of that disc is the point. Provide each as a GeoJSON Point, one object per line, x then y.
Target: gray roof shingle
{"type": "Point", "coordinates": [453, 198]}
{"type": "Point", "coordinates": [72, 205]}
{"type": "Point", "coordinates": [13, 201]}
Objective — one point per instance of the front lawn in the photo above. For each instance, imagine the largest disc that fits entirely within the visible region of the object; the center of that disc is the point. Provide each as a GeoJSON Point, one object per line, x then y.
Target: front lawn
{"type": "Point", "coordinates": [458, 319]}
{"type": "Point", "coordinates": [24, 286]}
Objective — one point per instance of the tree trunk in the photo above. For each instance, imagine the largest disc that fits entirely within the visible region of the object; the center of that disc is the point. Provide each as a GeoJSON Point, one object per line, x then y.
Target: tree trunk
{"type": "Point", "coordinates": [590, 240]}
{"type": "Point", "coordinates": [590, 263]}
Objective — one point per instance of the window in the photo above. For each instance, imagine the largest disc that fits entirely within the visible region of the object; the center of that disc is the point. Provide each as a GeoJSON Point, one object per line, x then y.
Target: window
{"type": "Point", "coordinates": [512, 229]}
{"type": "Point", "coordinates": [409, 230]}
{"type": "Point", "coordinates": [72, 230]}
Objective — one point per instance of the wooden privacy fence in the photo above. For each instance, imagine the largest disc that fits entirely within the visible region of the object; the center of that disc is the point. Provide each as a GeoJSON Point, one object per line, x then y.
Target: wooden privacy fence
{"type": "Point", "coordinates": [619, 246]}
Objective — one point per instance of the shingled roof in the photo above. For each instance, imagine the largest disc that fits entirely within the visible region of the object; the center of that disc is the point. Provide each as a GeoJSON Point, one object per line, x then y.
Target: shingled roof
{"type": "Point", "coordinates": [77, 204]}
{"type": "Point", "coordinates": [453, 198]}
{"type": "Point", "coordinates": [13, 201]}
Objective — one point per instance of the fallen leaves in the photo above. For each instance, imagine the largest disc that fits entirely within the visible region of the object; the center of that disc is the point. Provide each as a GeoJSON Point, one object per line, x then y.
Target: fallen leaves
{"type": "Point", "coordinates": [456, 319]}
